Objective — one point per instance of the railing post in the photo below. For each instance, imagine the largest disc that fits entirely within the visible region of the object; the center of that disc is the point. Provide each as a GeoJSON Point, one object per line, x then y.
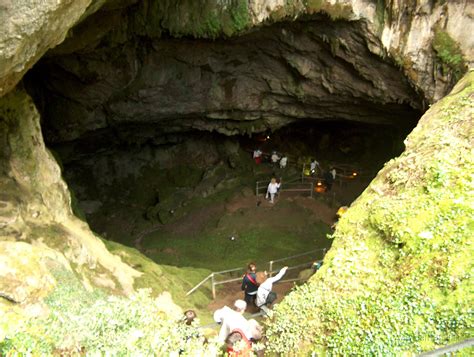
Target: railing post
{"type": "Point", "coordinates": [270, 267]}
{"type": "Point", "coordinates": [213, 287]}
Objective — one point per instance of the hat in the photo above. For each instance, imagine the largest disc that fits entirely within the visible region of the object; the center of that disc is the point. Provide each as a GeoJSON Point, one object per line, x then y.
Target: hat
{"type": "Point", "coordinates": [240, 304]}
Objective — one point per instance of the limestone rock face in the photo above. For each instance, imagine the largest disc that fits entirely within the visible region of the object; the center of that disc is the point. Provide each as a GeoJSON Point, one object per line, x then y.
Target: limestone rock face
{"type": "Point", "coordinates": [35, 210]}
{"type": "Point", "coordinates": [270, 63]}
{"type": "Point", "coordinates": [311, 70]}
{"type": "Point", "coordinates": [28, 30]}
{"type": "Point", "coordinates": [23, 275]}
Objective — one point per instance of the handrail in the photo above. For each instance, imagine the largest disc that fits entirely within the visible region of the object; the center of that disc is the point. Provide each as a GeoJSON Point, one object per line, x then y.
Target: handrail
{"type": "Point", "coordinates": [299, 255]}
{"type": "Point", "coordinates": [450, 348]}
{"type": "Point", "coordinates": [214, 283]}
{"type": "Point", "coordinates": [198, 285]}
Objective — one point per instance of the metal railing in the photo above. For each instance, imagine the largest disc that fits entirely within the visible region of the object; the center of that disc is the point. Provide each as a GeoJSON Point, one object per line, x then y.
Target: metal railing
{"type": "Point", "coordinates": [213, 277]}
{"type": "Point", "coordinates": [303, 187]}
{"type": "Point", "coordinates": [450, 348]}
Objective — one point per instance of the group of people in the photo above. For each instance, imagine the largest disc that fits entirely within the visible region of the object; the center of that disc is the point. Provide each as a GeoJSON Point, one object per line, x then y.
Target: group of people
{"type": "Point", "coordinates": [258, 287]}
{"type": "Point", "coordinates": [275, 158]}
{"type": "Point", "coordinates": [236, 331]}
{"type": "Point", "coordinates": [235, 328]}
{"type": "Point", "coordinates": [328, 176]}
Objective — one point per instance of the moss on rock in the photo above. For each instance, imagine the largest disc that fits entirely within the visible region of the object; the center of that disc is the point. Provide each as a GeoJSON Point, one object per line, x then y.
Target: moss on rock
{"type": "Point", "coordinates": [449, 53]}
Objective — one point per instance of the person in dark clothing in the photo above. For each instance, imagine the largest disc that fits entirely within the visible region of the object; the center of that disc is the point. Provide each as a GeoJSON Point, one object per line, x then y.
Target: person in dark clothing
{"type": "Point", "coordinates": [328, 179]}
{"type": "Point", "coordinates": [249, 284]}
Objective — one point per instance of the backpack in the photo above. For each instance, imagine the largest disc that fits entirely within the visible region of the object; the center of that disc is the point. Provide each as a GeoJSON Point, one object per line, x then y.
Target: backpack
{"type": "Point", "coordinates": [252, 280]}
{"type": "Point", "coordinates": [271, 297]}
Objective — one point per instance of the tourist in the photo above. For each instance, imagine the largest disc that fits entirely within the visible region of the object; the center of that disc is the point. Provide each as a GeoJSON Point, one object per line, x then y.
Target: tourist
{"type": "Point", "coordinates": [231, 319]}
{"type": "Point", "coordinates": [272, 189]}
{"type": "Point", "coordinates": [249, 284]}
{"type": "Point", "coordinates": [312, 167]}
{"type": "Point", "coordinates": [328, 179]}
{"type": "Point", "coordinates": [257, 156]}
{"type": "Point", "coordinates": [189, 316]}
{"type": "Point", "coordinates": [274, 158]}
{"type": "Point", "coordinates": [333, 173]}
{"type": "Point", "coordinates": [237, 344]}
{"type": "Point", "coordinates": [283, 162]}
{"type": "Point", "coordinates": [265, 288]}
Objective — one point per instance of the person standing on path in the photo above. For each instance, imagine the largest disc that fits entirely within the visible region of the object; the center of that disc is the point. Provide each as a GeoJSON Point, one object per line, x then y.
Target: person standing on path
{"type": "Point", "coordinates": [257, 156]}
{"type": "Point", "coordinates": [272, 189]}
{"type": "Point", "coordinates": [249, 284]}
{"type": "Point", "coordinates": [265, 287]}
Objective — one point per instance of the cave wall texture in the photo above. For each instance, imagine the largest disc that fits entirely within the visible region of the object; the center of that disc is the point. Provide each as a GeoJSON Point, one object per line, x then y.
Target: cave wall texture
{"type": "Point", "coordinates": [187, 64]}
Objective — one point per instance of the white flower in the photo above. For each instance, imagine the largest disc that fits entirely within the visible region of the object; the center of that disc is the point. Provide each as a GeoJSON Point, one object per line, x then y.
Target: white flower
{"type": "Point", "coordinates": [426, 235]}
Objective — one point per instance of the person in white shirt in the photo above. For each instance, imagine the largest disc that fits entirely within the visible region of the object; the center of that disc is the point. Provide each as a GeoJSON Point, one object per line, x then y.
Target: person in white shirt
{"type": "Point", "coordinates": [272, 189]}
{"type": "Point", "coordinates": [231, 319]}
{"type": "Point", "coordinates": [283, 162]}
{"type": "Point", "coordinates": [265, 286]}
{"type": "Point", "coordinates": [312, 167]}
{"type": "Point", "coordinates": [275, 158]}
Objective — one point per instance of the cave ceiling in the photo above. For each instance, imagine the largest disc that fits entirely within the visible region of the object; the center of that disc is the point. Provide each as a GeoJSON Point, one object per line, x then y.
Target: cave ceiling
{"type": "Point", "coordinates": [313, 69]}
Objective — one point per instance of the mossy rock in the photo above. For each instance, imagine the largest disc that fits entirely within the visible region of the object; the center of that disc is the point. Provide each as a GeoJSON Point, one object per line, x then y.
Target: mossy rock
{"type": "Point", "coordinates": [24, 276]}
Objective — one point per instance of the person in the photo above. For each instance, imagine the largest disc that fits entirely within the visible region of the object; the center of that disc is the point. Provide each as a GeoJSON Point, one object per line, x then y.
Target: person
{"type": "Point", "coordinates": [312, 167]}
{"type": "Point", "coordinates": [257, 156]}
{"type": "Point", "coordinates": [189, 316]}
{"type": "Point", "coordinates": [283, 162]}
{"type": "Point", "coordinates": [333, 173]}
{"type": "Point", "coordinates": [272, 189]}
{"type": "Point", "coordinates": [275, 158]}
{"type": "Point", "coordinates": [249, 284]}
{"type": "Point", "coordinates": [265, 287]}
{"type": "Point", "coordinates": [237, 344]}
{"type": "Point", "coordinates": [328, 179]}
{"type": "Point", "coordinates": [231, 319]}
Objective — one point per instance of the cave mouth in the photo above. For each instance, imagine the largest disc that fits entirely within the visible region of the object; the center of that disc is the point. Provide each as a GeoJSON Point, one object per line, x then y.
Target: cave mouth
{"type": "Point", "coordinates": [156, 134]}
{"type": "Point", "coordinates": [187, 193]}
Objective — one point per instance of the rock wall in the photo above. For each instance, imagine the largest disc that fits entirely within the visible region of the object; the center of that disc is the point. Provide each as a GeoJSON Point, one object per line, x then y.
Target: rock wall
{"type": "Point", "coordinates": [28, 30]}
{"type": "Point", "coordinates": [38, 232]}
{"type": "Point", "coordinates": [311, 70]}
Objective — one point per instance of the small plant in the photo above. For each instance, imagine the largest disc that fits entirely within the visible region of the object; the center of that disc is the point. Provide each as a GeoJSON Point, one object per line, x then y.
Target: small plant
{"type": "Point", "coordinates": [449, 53]}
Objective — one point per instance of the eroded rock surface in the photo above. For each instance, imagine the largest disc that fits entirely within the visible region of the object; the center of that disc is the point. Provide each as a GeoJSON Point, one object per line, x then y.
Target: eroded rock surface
{"type": "Point", "coordinates": [35, 210]}
{"type": "Point", "coordinates": [315, 70]}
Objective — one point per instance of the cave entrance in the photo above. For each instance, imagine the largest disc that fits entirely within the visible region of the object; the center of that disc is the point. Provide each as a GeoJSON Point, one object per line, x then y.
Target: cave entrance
{"type": "Point", "coordinates": [180, 198]}
{"type": "Point", "coordinates": [156, 134]}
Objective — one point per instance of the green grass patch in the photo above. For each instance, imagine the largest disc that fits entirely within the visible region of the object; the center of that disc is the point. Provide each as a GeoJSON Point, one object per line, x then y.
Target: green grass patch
{"type": "Point", "coordinates": [259, 235]}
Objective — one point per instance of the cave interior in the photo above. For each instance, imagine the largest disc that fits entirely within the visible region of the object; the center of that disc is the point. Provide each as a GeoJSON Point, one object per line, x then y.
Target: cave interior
{"type": "Point", "coordinates": [150, 129]}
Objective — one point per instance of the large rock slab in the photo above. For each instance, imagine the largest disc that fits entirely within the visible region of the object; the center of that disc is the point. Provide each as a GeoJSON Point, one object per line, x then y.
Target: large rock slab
{"type": "Point", "coordinates": [28, 30]}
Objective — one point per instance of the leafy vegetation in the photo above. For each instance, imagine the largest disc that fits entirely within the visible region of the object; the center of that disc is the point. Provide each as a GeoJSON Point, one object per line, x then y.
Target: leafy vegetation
{"type": "Point", "coordinates": [398, 278]}
{"type": "Point", "coordinates": [449, 53]}
{"type": "Point", "coordinates": [93, 323]}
